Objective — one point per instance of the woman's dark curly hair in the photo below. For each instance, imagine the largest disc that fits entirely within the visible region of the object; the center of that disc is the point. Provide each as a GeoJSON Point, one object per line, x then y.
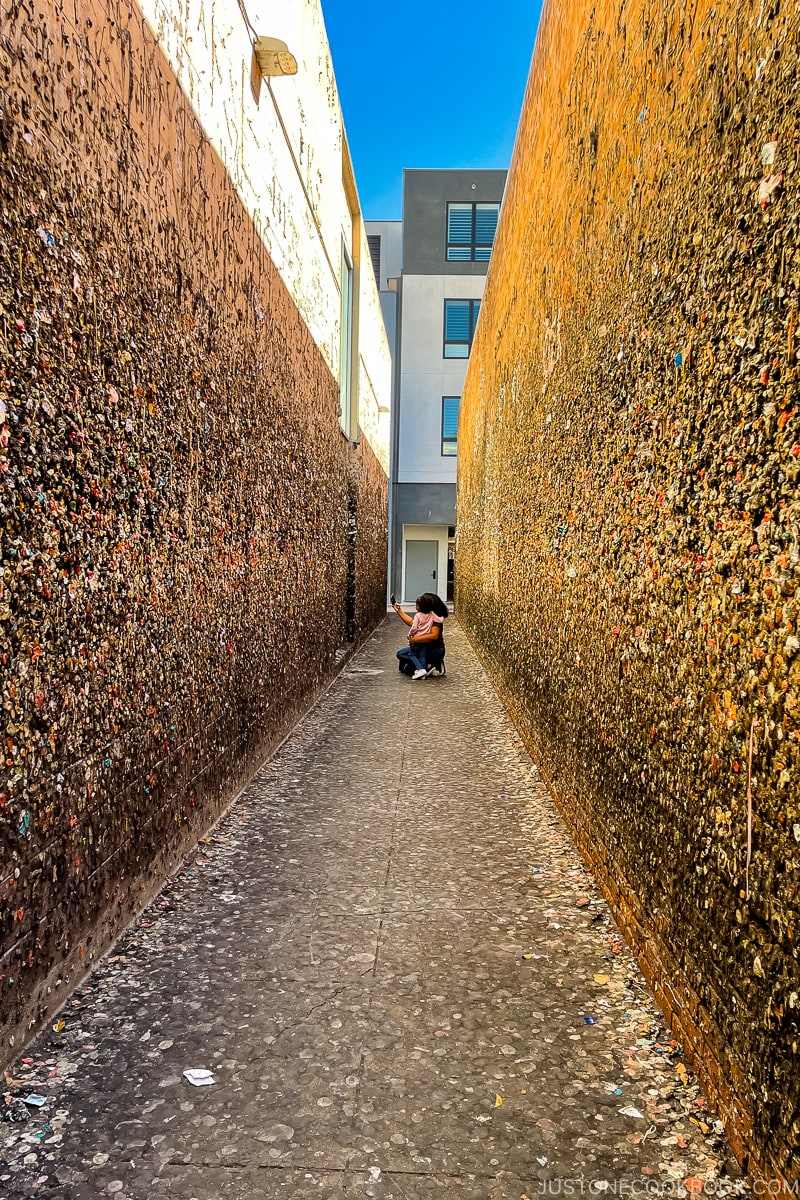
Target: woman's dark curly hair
{"type": "Point", "coordinates": [428, 602]}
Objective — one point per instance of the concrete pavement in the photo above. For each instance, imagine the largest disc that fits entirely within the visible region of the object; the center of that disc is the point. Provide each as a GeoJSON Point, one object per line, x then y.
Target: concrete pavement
{"type": "Point", "coordinates": [400, 976]}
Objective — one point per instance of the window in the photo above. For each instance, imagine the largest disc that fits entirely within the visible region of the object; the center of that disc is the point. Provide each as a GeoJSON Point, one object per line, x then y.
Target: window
{"type": "Point", "coordinates": [450, 406]}
{"type": "Point", "coordinates": [460, 319]}
{"type": "Point", "coordinates": [346, 344]}
{"type": "Point", "coordinates": [470, 231]}
{"type": "Point", "coordinates": [374, 243]}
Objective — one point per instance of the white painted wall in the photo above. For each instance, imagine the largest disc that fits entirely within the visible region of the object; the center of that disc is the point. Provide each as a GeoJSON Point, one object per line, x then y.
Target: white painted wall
{"type": "Point", "coordinates": [391, 235]}
{"type": "Point", "coordinates": [375, 363]}
{"type": "Point", "coordinates": [426, 376]}
{"type": "Point", "coordinates": [284, 157]}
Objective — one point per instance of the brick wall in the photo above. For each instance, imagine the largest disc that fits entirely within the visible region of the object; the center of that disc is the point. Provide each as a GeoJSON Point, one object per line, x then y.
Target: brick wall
{"type": "Point", "coordinates": [628, 506]}
{"type": "Point", "coordinates": [175, 494]}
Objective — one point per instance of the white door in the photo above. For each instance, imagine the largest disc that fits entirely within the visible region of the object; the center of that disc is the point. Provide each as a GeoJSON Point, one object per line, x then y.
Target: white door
{"type": "Point", "coordinates": [422, 561]}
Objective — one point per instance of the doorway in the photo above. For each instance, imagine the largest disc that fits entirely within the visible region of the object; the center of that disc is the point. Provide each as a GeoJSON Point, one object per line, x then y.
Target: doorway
{"type": "Point", "coordinates": [422, 562]}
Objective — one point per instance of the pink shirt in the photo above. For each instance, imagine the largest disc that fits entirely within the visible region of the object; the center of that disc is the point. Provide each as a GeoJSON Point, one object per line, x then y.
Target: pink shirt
{"type": "Point", "coordinates": [423, 623]}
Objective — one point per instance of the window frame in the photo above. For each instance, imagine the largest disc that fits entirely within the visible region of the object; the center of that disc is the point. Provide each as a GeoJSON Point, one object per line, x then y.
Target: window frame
{"type": "Point", "coordinates": [474, 311]}
{"type": "Point", "coordinates": [375, 251]}
{"type": "Point", "coordinates": [473, 246]}
{"type": "Point", "coordinates": [347, 318]}
{"type": "Point", "coordinates": [450, 441]}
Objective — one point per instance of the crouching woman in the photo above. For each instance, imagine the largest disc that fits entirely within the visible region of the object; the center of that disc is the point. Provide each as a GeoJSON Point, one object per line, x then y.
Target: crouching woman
{"type": "Point", "coordinates": [424, 653]}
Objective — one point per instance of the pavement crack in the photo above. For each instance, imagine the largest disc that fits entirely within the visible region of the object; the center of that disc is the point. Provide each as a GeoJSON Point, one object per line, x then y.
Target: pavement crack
{"type": "Point", "coordinates": [383, 909]}
{"type": "Point", "coordinates": [395, 1174]}
{"type": "Point", "coordinates": [314, 1008]}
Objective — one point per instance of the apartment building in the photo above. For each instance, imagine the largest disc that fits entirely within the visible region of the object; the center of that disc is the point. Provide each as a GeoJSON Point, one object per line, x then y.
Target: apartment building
{"type": "Point", "coordinates": [445, 243]}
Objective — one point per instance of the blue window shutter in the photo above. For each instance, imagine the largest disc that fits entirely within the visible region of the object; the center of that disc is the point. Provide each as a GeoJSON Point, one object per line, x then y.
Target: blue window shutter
{"type": "Point", "coordinates": [450, 406]}
{"type": "Point", "coordinates": [485, 223]}
{"type": "Point", "coordinates": [456, 321]}
{"type": "Point", "coordinates": [459, 224]}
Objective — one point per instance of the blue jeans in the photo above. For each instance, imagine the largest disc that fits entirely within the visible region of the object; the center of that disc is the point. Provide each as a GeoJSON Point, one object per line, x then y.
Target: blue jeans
{"type": "Point", "coordinates": [416, 658]}
{"type": "Point", "coordinates": [412, 658]}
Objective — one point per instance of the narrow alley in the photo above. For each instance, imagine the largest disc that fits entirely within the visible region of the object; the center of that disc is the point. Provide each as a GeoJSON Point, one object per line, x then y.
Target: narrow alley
{"type": "Point", "coordinates": [243, 401]}
{"type": "Point", "coordinates": [397, 972]}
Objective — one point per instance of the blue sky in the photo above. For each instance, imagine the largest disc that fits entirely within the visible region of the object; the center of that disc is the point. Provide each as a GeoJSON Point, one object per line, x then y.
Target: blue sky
{"type": "Point", "coordinates": [428, 85]}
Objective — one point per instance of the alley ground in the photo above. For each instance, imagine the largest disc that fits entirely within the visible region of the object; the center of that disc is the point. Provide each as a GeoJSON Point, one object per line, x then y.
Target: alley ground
{"type": "Point", "coordinates": [403, 981]}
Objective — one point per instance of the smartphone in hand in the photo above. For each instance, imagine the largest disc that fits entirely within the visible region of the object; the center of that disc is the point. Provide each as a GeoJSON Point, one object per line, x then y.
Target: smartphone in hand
{"type": "Point", "coordinates": [392, 598]}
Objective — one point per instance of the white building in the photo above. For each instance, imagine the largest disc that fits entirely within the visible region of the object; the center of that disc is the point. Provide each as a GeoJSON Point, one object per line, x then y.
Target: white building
{"type": "Point", "coordinates": [282, 142]}
{"type": "Point", "coordinates": [445, 242]}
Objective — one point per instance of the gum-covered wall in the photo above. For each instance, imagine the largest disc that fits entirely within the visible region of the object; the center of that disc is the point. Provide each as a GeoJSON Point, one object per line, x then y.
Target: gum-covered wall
{"type": "Point", "coordinates": [187, 539]}
{"type": "Point", "coordinates": [628, 505]}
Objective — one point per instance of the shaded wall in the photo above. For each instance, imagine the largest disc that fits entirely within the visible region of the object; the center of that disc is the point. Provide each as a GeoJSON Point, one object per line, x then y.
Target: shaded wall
{"type": "Point", "coordinates": [628, 506]}
{"type": "Point", "coordinates": [187, 538]}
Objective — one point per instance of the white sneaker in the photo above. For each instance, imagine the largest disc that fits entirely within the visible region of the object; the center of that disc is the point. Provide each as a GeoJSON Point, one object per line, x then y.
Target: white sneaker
{"type": "Point", "coordinates": [420, 674]}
